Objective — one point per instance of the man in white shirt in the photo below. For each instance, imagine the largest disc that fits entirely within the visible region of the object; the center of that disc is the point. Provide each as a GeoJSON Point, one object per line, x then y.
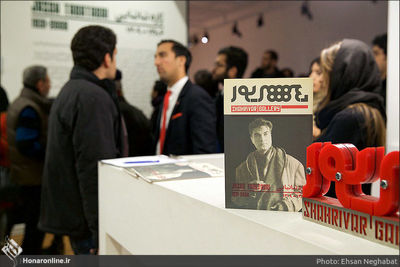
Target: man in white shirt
{"type": "Point", "coordinates": [187, 120]}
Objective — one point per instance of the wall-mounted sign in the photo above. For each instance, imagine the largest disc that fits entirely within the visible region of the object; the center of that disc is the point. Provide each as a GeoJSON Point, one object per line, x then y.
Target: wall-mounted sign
{"type": "Point", "coordinates": [40, 32]}
{"type": "Point", "coordinates": [56, 15]}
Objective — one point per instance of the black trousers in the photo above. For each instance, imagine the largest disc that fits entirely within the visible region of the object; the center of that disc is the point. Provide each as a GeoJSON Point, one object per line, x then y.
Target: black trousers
{"type": "Point", "coordinates": [33, 238]}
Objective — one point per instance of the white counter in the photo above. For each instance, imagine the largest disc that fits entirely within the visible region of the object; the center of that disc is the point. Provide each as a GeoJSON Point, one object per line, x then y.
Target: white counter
{"type": "Point", "coordinates": [188, 217]}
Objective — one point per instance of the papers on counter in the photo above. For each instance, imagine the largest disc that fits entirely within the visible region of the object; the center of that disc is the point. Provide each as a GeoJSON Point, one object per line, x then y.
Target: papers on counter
{"type": "Point", "coordinates": [164, 168]}
{"type": "Point", "coordinates": [141, 161]}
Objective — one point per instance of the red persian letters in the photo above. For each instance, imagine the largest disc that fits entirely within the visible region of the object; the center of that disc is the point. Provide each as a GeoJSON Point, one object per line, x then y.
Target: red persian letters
{"type": "Point", "coordinates": [349, 168]}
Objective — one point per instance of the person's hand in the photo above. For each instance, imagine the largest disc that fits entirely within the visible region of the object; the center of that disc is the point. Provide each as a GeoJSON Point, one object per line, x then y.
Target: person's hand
{"type": "Point", "coordinates": [94, 251]}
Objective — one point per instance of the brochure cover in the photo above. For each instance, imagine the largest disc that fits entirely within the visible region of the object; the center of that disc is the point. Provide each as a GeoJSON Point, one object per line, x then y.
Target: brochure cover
{"type": "Point", "coordinates": [267, 127]}
{"type": "Point", "coordinates": [175, 171]}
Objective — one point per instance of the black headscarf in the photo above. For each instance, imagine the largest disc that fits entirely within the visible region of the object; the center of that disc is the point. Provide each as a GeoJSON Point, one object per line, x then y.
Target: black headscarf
{"type": "Point", "coordinates": [355, 78]}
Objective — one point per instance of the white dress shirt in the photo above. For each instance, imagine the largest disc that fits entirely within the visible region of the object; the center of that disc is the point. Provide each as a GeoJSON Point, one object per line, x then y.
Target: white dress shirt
{"type": "Point", "coordinates": [173, 97]}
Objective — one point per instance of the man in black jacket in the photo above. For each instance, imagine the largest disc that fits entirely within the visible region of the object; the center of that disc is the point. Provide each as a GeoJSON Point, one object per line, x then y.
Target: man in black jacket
{"type": "Point", "coordinates": [84, 127]}
{"type": "Point", "coordinates": [187, 117]}
{"type": "Point", "coordinates": [230, 63]}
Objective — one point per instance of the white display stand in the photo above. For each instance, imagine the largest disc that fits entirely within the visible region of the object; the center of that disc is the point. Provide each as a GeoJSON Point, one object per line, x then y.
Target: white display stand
{"type": "Point", "coordinates": [188, 217]}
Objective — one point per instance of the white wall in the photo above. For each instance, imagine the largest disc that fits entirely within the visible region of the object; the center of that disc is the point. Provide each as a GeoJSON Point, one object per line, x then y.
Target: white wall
{"type": "Point", "coordinates": [23, 45]}
{"type": "Point", "coordinates": [392, 95]}
{"type": "Point", "coordinates": [296, 39]}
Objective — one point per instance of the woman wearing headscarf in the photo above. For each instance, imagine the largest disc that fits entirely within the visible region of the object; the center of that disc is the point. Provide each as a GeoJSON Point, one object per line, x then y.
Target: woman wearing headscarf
{"type": "Point", "coordinates": [353, 110]}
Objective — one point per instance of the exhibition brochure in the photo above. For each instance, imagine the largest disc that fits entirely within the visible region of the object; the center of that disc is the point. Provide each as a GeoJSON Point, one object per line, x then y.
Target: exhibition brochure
{"type": "Point", "coordinates": [163, 168]}
{"type": "Point", "coordinates": [267, 128]}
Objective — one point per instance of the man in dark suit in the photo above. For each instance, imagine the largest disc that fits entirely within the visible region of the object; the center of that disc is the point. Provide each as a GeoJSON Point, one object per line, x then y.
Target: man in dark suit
{"type": "Point", "coordinates": [187, 117]}
{"type": "Point", "coordinates": [231, 63]}
{"type": "Point", "coordinates": [268, 68]}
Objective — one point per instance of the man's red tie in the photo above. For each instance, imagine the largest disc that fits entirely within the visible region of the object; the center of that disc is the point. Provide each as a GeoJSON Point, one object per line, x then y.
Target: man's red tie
{"type": "Point", "coordinates": [164, 120]}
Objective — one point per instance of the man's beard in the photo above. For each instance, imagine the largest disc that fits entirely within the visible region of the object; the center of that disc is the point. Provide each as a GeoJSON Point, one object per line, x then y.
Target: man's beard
{"type": "Point", "coordinates": [267, 67]}
{"type": "Point", "coordinates": [220, 79]}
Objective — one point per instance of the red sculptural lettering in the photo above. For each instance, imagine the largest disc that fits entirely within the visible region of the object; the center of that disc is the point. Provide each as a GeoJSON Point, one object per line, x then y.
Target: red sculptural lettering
{"type": "Point", "coordinates": [349, 168]}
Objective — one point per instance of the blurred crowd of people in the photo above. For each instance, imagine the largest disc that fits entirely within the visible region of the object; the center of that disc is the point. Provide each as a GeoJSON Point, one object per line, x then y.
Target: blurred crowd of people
{"type": "Point", "coordinates": [50, 147]}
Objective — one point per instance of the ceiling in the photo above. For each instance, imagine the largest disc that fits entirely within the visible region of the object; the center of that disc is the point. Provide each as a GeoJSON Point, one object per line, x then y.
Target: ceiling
{"type": "Point", "coordinates": [212, 14]}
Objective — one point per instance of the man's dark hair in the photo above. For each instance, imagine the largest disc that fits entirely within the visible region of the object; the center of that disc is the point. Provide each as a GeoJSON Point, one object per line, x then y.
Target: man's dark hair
{"type": "Point", "coordinates": [273, 54]}
{"type": "Point", "coordinates": [117, 81]}
{"type": "Point", "coordinates": [258, 123]}
{"type": "Point", "coordinates": [160, 87]}
{"type": "Point", "coordinates": [203, 78]}
{"type": "Point", "coordinates": [33, 74]}
{"type": "Point", "coordinates": [235, 57]}
{"type": "Point", "coordinates": [287, 72]}
{"type": "Point", "coordinates": [381, 41]}
{"type": "Point", "coordinates": [90, 44]}
{"type": "Point", "coordinates": [118, 75]}
{"type": "Point", "coordinates": [3, 100]}
{"type": "Point", "coordinates": [179, 50]}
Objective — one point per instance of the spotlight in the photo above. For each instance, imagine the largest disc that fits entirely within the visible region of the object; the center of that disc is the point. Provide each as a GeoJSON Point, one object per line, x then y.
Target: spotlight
{"type": "Point", "coordinates": [260, 21]}
{"type": "Point", "coordinates": [205, 38]}
{"type": "Point", "coordinates": [195, 39]}
{"type": "Point", "coordinates": [305, 10]}
{"type": "Point", "coordinates": [235, 30]}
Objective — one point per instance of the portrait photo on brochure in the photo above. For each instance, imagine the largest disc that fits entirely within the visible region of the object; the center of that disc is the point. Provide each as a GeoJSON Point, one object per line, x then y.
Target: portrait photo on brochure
{"type": "Point", "coordinates": [265, 157]}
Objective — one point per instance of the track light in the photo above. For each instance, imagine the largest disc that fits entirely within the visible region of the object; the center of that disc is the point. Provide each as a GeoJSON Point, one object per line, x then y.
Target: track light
{"type": "Point", "coordinates": [305, 10]}
{"type": "Point", "coordinates": [205, 38]}
{"type": "Point", "coordinates": [260, 21]}
{"type": "Point", "coordinates": [235, 30]}
{"type": "Point", "coordinates": [195, 39]}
